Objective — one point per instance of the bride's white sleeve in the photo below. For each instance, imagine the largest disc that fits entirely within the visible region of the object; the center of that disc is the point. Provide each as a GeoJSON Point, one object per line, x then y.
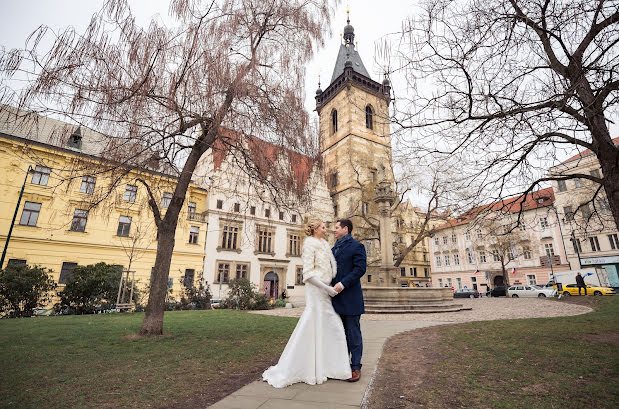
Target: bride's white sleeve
{"type": "Point", "coordinates": [326, 288]}
{"type": "Point", "coordinates": [309, 260]}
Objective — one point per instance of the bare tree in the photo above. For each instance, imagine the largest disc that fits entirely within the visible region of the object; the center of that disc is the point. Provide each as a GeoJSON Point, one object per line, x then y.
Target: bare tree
{"type": "Point", "coordinates": [510, 86]}
{"type": "Point", "coordinates": [163, 94]}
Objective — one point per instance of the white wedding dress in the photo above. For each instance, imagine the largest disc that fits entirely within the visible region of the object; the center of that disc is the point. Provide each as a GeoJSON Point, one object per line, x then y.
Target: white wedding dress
{"type": "Point", "coordinates": [317, 347]}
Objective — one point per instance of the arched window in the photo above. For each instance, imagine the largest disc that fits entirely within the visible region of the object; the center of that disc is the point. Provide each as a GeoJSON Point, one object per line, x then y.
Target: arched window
{"type": "Point", "coordinates": [369, 120]}
{"type": "Point", "coordinates": [333, 121]}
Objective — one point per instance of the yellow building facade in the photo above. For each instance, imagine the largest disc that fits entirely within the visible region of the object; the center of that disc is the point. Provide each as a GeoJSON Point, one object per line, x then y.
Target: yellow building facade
{"type": "Point", "coordinates": [58, 227]}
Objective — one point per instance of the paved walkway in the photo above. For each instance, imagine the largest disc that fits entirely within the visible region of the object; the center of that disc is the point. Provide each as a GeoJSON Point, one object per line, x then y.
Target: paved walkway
{"type": "Point", "coordinates": [376, 330]}
{"type": "Point", "coordinates": [302, 396]}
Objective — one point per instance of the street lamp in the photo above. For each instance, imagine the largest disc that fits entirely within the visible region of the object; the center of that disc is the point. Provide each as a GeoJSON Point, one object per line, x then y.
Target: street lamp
{"type": "Point", "coordinates": [21, 193]}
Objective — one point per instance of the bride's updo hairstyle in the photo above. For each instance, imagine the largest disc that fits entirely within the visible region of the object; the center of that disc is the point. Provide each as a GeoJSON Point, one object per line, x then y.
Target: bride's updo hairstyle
{"type": "Point", "coordinates": [312, 224]}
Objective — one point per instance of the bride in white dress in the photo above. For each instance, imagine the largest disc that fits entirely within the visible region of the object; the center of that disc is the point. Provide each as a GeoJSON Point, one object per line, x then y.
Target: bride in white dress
{"type": "Point", "coordinates": [317, 347]}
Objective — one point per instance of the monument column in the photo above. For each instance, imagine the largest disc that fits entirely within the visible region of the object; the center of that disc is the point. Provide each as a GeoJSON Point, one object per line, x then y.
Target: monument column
{"type": "Point", "coordinates": [384, 198]}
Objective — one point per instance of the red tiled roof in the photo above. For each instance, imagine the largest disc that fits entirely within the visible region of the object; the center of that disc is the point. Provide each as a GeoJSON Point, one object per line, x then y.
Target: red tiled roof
{"type": "Point", "coordinates": [587, 152]}
{"type": "Point", "coordinates": [264, 156]}
{"type": "Point", "coordinates": [511, 205]}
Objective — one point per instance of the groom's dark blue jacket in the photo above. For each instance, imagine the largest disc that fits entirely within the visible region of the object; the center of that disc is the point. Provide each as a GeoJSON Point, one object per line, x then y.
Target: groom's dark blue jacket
{"type": "Point", "coordinates": [351, 265]}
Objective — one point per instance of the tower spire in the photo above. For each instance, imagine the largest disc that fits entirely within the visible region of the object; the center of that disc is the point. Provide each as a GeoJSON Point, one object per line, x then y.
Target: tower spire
{"type": "Point", "coordinates": [349, 31]}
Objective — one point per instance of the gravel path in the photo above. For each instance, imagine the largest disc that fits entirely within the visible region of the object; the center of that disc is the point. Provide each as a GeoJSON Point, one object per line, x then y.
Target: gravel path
{"type": "Point", "coordinates": [484, 309]}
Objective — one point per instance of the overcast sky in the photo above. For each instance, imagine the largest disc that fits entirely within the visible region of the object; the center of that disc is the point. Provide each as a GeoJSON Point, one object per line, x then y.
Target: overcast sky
{"type": "Point", "coordinates": [371, 20]}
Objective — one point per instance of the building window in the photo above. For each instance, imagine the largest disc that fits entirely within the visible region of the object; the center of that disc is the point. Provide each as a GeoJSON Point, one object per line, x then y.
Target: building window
{"type": "Point", "coordinates": [299, 276]}
{"type": "Point", "coordinates": [66, 273]}
{"type": "Point", "coordinates": [449, 283]}
{"type": "Point", "coordinates": [333, 180]}
{"type": "Point", "coordinates": [467, 236]}
{"type": "Point", "coordinates": [265, 240]}
{"type": "Point", "coordinates": [30, 214]}
{"type": "Point", "coordinates": [252, 210]}
{"type": "Point", "coordinates": [531, 280]}
{"type": "Point", "coordinates": [293, 218]}
{"type": "Point", "coordinates": [189, 277]}
{"type": "Point", "coordinates": [454, 239]}
{"type": "Point", "coordinates": [229, 237]}
{"type": "Point", "coordinates": [281, 215]}
{"type": "Point", "coordinates": [586, 211]}
{"type": "Point", "coordinates": [577, 246]}
{"type": "Point", "coordinates": [191, 210]}
{"type": "Point", "coordinates": [444, 239]}
{"type": "Point", "coordinates": [333, 121]}
{"type": "Point", "coordinates": [237, 207]}
{"type": "Point", "coordinates": [372, 176]}
{"type": "Point", "coordinates": [369, 117]}
{"type": "Point", "coordinates": [482, 257]}
{"type": "Point", "coordinates": [569, 213]}
{"type": "Point", "coordinates": [495, 255]}
{"type": "Point", "coordinates": [170, 283]}
{"type": "Point", "coordinates": [414, 273]}
{"type": "Point", "coordinates": [335, 210]}
{"type": "Point", "coordinates": [438, 261]}
{"type": "Point", "coordinates": [436, 241]}
{"type": "Point", "coordinates": [457, 259]}
{"type": "Point", "coordinates": [194, 233]}
{"type": "Point", "coordinates": [526, 252]}
{"type": "Point", "coordinates": [364, 208]}
{"type": "Point", "coordinates": [425, 272]}
{"type": "Point", "coordinates": [88, 184]}
{"type": "Point", "coordinates": [130, 193]}
{"type": "Point", "coordinates": [459, 281]}
{"type": "Point", "coordinates": [41, 175]}
{"type": "Point", "coordinates": [549, 249]}
{"type": "Point", "coordinates": [522, 226]}
{"type": "Point", "coordinates": [446, 260]}
{"type": "Point", "coordinates": [369, 278]}
{"type": "Point", "coordinates": [440, 282]}
{"type": "Point", "coordinates": [241, 270]}
{"type": "Point", "coordinates": [612, 239]}
{"type": "Point", "coordinates": [479, 235]}
{"type": "Point", "coordinates": [469, 256]}
{"type": "Point", "coordinates": [220, 204]}
{"type": "Point", "coordinates": [166, 199]}
{"type": "Point", "coordinates": [267, 213]}
{"type": "Point", "coordinates": [562, 185]}
{"type": "Point", "coordinates": [124, 226]}
{"type": "Point", "coordinates": [223, 273]}
{"type": "Point", "coordinates": [578, 182]}
{"type": "Point", "coordinates": [402, 271]}
{"type": "Point", "coordinates": [79, 220]}
{"type": "Point", "coordinates": [595, 244]}
{"type": "Point", "coordinates": [294, 244]}
{"type": "Point", "coordinates": [543, 222]}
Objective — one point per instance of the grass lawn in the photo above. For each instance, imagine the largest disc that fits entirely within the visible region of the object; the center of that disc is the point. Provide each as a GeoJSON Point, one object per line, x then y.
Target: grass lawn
{"type": "Point", "coordinates": [567, 362]}
{"type": "Point", "coordinates": [87, 361]}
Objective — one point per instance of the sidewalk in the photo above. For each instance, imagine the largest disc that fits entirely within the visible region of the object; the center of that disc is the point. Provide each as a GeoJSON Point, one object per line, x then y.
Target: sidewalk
{"type": "Point", "coordinates": [332, 394]}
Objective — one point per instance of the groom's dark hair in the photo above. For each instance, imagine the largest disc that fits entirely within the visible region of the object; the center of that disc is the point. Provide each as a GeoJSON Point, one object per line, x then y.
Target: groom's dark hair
{"type": "Point", "coordinates": [345, 223]}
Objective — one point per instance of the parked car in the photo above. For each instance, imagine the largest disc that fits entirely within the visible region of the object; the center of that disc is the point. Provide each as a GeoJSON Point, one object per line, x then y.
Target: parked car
{"type": "Point", "coordinates": [572, 289]}
{"type": "Point", "coordinates": [530, 291]}
{"type": "Point", "coordinates": [498, 291]}
{"type": "Point", "coordinates": [466, 293]}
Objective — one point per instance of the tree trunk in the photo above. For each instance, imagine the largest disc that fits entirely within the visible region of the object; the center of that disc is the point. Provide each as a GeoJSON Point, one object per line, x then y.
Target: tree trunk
{"type": "Point", "coordinates": [153, 320]}
{"type": "Point", "coordinates": [505, 278]}
{"type": "Point", "coordinates": [608, 155]}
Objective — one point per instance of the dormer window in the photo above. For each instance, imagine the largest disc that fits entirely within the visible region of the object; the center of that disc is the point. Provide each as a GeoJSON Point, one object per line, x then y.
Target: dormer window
{"type": "Point", "coordinates": [75, 141]}
{"type": "Point", "coordinates": [369, 117]}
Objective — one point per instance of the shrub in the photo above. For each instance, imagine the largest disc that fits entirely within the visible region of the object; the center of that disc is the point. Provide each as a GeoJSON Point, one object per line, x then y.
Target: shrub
{"type": "Point", "coordinates": [92, 288]}
{"type": "Point", "coordinates": [24, 288]}
{"type": "Point", "coordinates": [195, 298]}
{"type": "Point", "coordinates": [279, 303]}
{"type": "Point", "coordinates": [242, 295]}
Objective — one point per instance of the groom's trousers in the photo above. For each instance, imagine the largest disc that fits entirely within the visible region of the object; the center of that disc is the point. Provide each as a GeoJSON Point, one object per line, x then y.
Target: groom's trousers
{"type": "Point", "coordinates": [352, 328]}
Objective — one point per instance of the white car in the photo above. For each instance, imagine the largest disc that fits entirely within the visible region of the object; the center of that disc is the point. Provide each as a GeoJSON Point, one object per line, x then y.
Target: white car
{"type": "Point", "coordinates": [530, 291]}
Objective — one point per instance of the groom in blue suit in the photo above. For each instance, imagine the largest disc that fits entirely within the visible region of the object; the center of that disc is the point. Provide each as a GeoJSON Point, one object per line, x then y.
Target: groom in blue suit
{"type": "Point", "coordinates": [351, 264]}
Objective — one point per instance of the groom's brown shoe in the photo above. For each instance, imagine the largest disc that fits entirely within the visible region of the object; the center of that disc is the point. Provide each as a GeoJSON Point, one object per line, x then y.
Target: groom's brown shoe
{"type": "Point", "coordinates": [356, 375]}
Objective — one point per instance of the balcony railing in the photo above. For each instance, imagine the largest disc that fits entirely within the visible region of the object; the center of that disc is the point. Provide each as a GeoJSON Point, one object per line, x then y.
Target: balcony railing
{"type": "Point", "coordinates": [197, 217]}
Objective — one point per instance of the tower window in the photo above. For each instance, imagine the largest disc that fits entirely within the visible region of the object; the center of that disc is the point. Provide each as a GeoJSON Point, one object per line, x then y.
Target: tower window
{"type": "Point", "coordinates": [333, 121]}
{"type": "Point", "coordinates": [369, 117]}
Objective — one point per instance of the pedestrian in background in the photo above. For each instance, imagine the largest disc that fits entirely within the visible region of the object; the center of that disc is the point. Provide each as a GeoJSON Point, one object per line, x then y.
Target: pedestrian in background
{"type": "Point", "coordinates": [580, 282]}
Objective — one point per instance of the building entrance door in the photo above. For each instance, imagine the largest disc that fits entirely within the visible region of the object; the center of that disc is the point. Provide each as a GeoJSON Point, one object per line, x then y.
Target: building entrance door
{"type": "Point", "coordinates": [271, 285]}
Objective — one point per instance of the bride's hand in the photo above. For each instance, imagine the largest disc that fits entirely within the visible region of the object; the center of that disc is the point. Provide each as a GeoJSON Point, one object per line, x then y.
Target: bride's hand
{"type": "Point", "coordinates": [331, 292]}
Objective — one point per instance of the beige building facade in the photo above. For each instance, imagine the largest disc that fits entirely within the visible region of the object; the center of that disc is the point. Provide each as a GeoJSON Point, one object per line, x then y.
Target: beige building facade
{"type": "Point", "coordinates": [587, 223]}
